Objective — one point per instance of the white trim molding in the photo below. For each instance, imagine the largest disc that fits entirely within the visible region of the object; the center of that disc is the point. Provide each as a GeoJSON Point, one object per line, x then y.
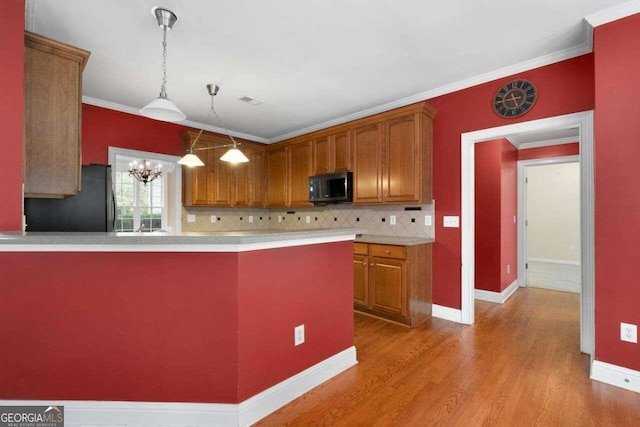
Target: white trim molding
{"type": "Point", "coordinates": [583, 121]}
{"type": "Point", "coordinates": [613, 14]}
{"type": "Point", "coordinates": [497, 297]}
{"type": "Point", "coordinates": [615, 375]}
{"type": "Point", "coordinates": [446, 313]}
{"type": "Point", "coordinates": [139, 414]}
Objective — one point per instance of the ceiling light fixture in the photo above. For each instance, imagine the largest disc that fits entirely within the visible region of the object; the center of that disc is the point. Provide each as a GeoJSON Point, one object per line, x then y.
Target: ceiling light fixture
{"type": "Point", "coordinates": [162, 108]}
{"type": "Point", "coordinates": [233, 155]}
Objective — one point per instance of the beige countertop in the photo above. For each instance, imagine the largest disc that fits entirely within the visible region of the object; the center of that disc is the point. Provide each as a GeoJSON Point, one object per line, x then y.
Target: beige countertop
{"type": "Point", "coordinates": [393, 240]}
{"type": "Point", "coordinates": [231, 241]}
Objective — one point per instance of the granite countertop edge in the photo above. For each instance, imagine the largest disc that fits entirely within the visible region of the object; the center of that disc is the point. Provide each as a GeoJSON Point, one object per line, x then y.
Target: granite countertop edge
{"type": "Point", "coordinates": [394, 240]}
{"type": "Point", "coordinates": [159, 238]}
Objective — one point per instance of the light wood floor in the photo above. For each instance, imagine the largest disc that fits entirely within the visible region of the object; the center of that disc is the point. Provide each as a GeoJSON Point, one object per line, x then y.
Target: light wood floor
{"type": "Point", "coordinates": [519, 364]}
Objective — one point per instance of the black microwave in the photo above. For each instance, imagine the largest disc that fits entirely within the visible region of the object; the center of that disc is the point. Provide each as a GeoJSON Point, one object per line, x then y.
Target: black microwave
{"type": "Point", "coordinates": [331, 188]}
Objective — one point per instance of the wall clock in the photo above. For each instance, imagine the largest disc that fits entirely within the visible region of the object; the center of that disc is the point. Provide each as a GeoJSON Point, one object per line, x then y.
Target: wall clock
{"type": "Point", "coordinates": [515, 98]}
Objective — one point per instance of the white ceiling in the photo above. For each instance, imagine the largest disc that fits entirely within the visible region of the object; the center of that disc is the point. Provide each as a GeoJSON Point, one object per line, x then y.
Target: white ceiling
{"type": "Point", "coordinates": [313, 62]}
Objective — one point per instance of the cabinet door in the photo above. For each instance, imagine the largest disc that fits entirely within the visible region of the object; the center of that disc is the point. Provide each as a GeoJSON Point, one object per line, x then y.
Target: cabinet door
{"type": "Point", "coordinates": [221, 178]}
{"type": "Point", "coordinates": [256, 180]}
{"type": "Point", "coordinates": [241, 181]}
{"type": "Point", "coordinates": [276, 165]}
{"type": "Point", "coordinates": [52, 109]}
{"type": "Point", "coordinates": [321, 156]}
{"type": "Point", "coordinates": [388, 282]}
{"type": "Point", "coordinates": [198, 182]}
{"type": "Point", "coordinates": [299, 167]}
{"type": "Point", "coordinates": [402, 174]}
{"type": "Point", "coordinates": [361, 280]}
{"type": "Point", "coordinates": [367, 164]}
{"type": "Point", "coordinates": [341, 149]}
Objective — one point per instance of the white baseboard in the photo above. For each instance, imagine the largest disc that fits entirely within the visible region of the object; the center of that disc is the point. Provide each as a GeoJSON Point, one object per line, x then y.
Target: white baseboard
{"type": "Point", "coordinates": [554, 261]}
{"type": "Point", "coordinates": [148, 414]}
{"type": "Point", "coordinates": [497, 297]}
{"type": "Point", "coordinates": [446, 313]}
{"type": "Point", "coordinates": [616, 376]}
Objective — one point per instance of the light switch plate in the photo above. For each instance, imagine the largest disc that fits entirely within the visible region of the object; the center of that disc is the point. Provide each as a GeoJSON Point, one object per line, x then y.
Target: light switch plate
{"type": "Point", "coordinates": [308, 219]}
{"type": "Point", "coordinates": [214, 219]}
{"type": "Point", "coordinates": [428, 220]}
{"type": "Point", "coordinates": [250, 218]}
{"type": "Point", "coordinates": [451, 221]}
{"type": "Point", "coordinates": [392, 219]}
{"type": "Point", "coordinates": [191, 218]}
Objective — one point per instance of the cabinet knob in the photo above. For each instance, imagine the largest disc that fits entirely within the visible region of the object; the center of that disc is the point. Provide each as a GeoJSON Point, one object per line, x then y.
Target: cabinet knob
{"type": "Point", "coordinates": [372, 264]}
{"type": "Point", "coordinates": [379, 196]}
{"type": "Point", "coordinates": [387, 251]}
{"type": "Point", "coordinates": [364, 262]}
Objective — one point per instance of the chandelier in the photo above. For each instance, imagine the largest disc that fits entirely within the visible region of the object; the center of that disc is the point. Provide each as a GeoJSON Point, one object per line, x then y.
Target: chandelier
{"type": "Point", "coordinates": [143, 171]}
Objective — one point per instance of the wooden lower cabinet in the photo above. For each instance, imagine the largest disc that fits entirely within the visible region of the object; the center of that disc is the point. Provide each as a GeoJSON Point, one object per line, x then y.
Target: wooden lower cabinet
{"type": "Point", "coordinates": [392, 281]}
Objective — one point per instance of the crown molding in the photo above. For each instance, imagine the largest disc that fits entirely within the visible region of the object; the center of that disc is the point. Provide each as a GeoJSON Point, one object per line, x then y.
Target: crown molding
{"type": "Point", "coordinates": [584, 48]}
{"type": "Point", "coordinates": [545, 143]}
{"type": "Point", "coordinates": [136, 112]}
{"type": "Point", "coordinates": [613, 14]}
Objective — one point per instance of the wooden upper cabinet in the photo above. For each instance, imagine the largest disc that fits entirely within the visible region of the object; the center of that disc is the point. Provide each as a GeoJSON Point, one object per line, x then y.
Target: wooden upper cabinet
{"type": "Point", "coordinates": [401, 147]}
{"type": "Point", "coordinates": [341, 151]}
{"type": "Point", "coordinates": [52, 117]}
{"type": "Point", "coordinates": [332, 153]}
{"type": "Point", "coordinates": [276, 172]}
{"type": "Point", "coordinates": [219, 183]}
{"type": "Point", "coordinates": [248, 180]}
{"type": "Point", "coordinates": [367, 164]}
{"type": "Point", "coordinates": [321, 162]}
{"type": "Point", "coordinates": [298, 172]}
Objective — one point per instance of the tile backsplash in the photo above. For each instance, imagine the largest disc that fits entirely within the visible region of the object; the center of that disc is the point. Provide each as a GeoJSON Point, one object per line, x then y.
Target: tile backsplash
{"type": "Point", "coordinates": [410, 219]}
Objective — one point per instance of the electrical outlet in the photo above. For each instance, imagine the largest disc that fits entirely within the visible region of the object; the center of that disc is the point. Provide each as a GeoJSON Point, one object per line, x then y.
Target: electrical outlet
{"type": "Point", "coordinates": [392, 219]}
{"type": "Point", "coordinates": [629, 332]}
{"type": "Point", "coordinates": [508, 268]}
{"type": "Point", "coordinates": [427, 220]}
{"type": "Point", "coordinates": [250, 218]}
{"type": "Point", "coordinates": [298, 335]}
{"type": "Point", "coordinates": [279, 218]}
{"type": "Point", "coordinates": [514, 219]}
{"type": "Point", "coordinates": [191, 218]}
{"type": "Point", "coordinates": [214, 219]}
{"type": "Point", "coordinates": [308, 219]}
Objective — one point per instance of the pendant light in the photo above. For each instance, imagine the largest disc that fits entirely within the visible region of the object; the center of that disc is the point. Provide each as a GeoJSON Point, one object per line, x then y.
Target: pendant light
{"type": "Point", "coordinates": [233, 155]}
{"type": "Point", "coordinates": [162, 108]}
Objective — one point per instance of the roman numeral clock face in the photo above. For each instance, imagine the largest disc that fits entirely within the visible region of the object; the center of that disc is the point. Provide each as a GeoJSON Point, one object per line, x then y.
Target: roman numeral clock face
{"type": "Point", "coordinates": [515, 98]}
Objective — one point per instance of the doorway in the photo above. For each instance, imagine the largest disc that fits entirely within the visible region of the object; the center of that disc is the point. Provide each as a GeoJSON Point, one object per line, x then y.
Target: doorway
{"type": "Point", "coordinates": [550, 203]}
{"type": "Point", "coordinates": [583, 122]}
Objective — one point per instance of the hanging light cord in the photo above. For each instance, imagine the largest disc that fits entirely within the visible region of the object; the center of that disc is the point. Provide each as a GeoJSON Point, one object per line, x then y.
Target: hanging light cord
{"type": "Point", "coordinates": [163, 91]}
{"type": "Point", "coordinates": [224, 126]}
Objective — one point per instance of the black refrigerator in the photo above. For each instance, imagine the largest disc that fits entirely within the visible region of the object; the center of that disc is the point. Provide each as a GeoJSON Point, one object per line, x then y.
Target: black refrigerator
{"type": "Point", "coordinates": [92, 209]}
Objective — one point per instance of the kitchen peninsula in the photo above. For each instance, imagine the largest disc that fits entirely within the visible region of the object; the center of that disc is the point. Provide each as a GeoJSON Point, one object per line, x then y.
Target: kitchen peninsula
{"type": "Point", "coordinates": [192, 317]}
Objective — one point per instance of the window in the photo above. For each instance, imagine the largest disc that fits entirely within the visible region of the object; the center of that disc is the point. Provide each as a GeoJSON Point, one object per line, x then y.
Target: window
{"type": "Point", "coordinates": [149, 207]}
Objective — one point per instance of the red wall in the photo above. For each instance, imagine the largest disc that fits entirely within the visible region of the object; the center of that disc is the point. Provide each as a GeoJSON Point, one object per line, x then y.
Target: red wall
{"type": "Point", "coordinates": [169, 327]}
{"type": "Point", "coordinates": [11, 114]}
{"type": "Point", "coordinates": [487, 212]}
{"type": "Point", "coordinates": [565, 87]}
{"type": "Point", "coordinates": [572, 149]}
{"type": "Point", "coordinates": [617, 208]}
{"type": "Point", "coordinates": [102, 128]}
{"type": "Point", "coordinates": [508, 209]}
{"type": "Point", "coordinates": [496, 202]}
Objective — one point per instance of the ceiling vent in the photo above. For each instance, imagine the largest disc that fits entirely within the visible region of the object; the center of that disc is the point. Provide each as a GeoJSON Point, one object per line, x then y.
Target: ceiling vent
{"type": "Point", "coordinates": [251, 101]}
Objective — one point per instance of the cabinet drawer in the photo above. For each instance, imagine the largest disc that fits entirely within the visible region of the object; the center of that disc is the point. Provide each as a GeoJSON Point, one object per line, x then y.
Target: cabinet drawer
{"type": "Point", "coordinates": [360, 248]}
{"type": "Point", "coordinates": [388, 251]}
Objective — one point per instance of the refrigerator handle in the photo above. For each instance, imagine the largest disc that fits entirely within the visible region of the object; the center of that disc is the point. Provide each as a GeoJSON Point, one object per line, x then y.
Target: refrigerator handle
{"type": "Point", "coordinates": [113, 217]}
